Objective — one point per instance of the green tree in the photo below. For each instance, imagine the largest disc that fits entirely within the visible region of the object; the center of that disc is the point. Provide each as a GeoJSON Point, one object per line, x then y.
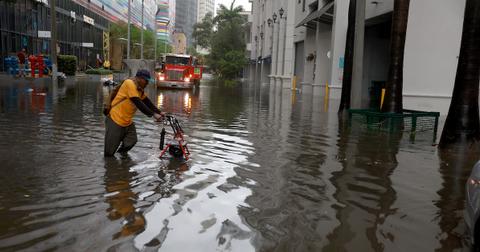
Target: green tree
{"type": "Point", "coordinates": [202, 31]}
{"type": "Point", "coordinates": [120, 31]}
{"type": "Point", "coordinates": [394, 87]}
{"type": "Point", "coordinates": [463, 123]}
{"type": "Point", "coordinates": [163, 47]}
{"type": "Point", "coordinates": [227, 55]}
{"type": "Point", "coordinates": [232, 63]}
{"type": "Point", "coordinates": [191, 50]}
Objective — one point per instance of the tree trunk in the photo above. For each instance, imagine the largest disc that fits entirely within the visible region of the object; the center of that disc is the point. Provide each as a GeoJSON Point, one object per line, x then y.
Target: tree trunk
{"type": "Point", "coordinates": [394, 88]}
{"type": "Point", "coordinates": [348, 60]}
{"type": "Point", "coordinates": [462, 124]}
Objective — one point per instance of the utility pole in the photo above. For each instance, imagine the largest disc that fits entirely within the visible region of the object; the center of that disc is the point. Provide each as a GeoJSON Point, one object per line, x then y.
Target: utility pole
{"type": "Point", "coordinates": [141, 35]}
{"type": "Point", "coordinates": [128, 36]}
{"type": "Point", "coordinates": [156, 40]}
{"type": "Point", "coordinates": [53, 40]}
{"type": "Point", "coordinates": [166, 40]}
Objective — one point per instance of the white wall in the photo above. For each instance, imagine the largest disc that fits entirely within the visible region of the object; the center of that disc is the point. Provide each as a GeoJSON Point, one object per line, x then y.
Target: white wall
{"type": "Point", "coordinates": [324, 64]}
{"type": "Point", "coordinates": [431, 50]}
{"type": "Point", "coordinates": [310, 48]}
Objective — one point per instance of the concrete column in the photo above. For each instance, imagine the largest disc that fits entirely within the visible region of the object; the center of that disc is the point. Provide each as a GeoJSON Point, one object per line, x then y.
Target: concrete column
{"type": "Point", "coordinates": [273, 70]}
{"type": "Point", "coordinates": [289, 43]}
{"type": "Point", "coordinates": [357, 75]}
{"type": "Point", "coordinates": [261, 73]}
{"type": "Point", "coordinates": [279, 59]}
{"type": "Point", "coordinates": [316, 71]}
{"type": "Point", "coordinates": [284, 46]}
{"type": "Point", "coordinates": [339, 38]}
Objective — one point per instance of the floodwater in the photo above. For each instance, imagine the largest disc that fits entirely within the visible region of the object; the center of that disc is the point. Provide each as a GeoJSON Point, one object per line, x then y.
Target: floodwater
{"type": "Point", "coordinates": [269, 171]}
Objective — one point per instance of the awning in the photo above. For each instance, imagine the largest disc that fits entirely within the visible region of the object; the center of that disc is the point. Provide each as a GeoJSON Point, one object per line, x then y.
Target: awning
{"type": "Point", "coordinates": [324, 15]}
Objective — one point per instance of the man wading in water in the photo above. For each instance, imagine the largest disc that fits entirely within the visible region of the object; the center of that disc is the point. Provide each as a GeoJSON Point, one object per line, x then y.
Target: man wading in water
{"type": "Point", "coordinates": [119, 126]}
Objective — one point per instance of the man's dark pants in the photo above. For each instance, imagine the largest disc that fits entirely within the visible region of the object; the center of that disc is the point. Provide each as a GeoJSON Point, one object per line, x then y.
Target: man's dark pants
{"type": "Point", "coordinates": [116, 135]}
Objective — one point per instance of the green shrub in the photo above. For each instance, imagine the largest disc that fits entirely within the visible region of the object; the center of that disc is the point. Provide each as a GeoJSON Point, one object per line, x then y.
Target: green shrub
{"type": "Point", "coordinates": [67, 64]}
{"type": "Point", "coordinates": [100, 71]}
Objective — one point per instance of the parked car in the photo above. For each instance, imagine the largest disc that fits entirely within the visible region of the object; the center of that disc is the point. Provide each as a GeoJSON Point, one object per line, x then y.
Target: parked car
{"type": "Point", "coordinates": [472, 206]}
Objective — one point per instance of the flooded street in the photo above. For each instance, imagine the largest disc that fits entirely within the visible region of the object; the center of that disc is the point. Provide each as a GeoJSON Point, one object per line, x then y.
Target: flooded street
{"type": "Point", "coordinates": [269, 171]}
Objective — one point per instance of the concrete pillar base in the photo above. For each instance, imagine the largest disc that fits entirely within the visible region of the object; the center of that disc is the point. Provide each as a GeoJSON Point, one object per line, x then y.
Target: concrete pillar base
{"type": "Point", "coordinates": [286, 82]}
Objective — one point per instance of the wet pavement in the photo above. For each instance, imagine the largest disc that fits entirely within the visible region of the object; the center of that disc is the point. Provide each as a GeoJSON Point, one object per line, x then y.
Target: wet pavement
{"type": "Point", "coordinates": [269, 171]}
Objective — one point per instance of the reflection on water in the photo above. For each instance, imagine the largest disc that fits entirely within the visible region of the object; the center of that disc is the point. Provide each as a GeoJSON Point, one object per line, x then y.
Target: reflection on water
{"type": "Point", "coordinates": [269, 171]}
{"type": "Point", "coordinates": [454, 168]}
{"type": "Point", "coordinates": [364, 191]}
{"type": "Point", "coordinates": [121, 198]}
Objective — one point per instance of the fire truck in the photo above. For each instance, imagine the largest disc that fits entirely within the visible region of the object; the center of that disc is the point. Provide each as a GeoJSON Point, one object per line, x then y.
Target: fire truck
{"type": "Point", "coordinates": [179, 71]}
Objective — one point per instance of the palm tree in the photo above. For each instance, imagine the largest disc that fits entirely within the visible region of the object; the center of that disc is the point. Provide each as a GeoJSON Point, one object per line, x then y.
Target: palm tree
{"type": "Point", "coordinates": [348, 60]}
{"type": "Point", "coordinates": [227, 55]}
{"type": "Point", "coordinates": [393, 95]}
{"type": "Point", "coordinates": [463, 120]}
{"type": "Point", "coordinates": [230, 22]}
{"type": "Point", "coordinates": [202, 31]}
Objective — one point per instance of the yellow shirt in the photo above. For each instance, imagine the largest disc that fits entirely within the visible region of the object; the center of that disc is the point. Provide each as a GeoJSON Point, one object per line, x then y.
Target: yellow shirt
{"type": "Point", "coordinates": [123, 108]}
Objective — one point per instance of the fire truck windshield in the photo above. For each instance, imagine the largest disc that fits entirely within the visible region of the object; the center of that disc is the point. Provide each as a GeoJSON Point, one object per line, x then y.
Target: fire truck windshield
{"type": "Point", "coordinates": [177, 60]}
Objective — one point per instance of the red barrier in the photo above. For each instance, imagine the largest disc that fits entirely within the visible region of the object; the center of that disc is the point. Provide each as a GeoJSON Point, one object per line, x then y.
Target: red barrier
{"type": "Point", "coordinates": [41, 65]}
{"type": "Point", "coordinates": [33, 63]}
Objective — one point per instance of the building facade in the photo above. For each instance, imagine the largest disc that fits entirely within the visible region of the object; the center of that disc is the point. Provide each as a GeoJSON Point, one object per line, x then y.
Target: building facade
{"type": "Point", "coordinates": [185, 18]}
{"type": "Point", "coordinates": [179, 45]}
{"type": "Point", "coordinates": [308, 43]}
{"type": "Point", "coordinates": [204, 7]}
{"type": "Point", "coordinates": [26, 24]}
{"type": "Point", "coordinates": [165, 19]}
{"type": "Point", "coordinates": [82, 26]}
{"type": "Point", "coordinates": [272, 32]}
{"type": "Point", "coordinates": [115, 10]}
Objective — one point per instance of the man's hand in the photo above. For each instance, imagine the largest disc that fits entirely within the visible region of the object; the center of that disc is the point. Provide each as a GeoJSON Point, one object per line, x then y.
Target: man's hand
{"type": "Point", "coordinates": [159, 117]}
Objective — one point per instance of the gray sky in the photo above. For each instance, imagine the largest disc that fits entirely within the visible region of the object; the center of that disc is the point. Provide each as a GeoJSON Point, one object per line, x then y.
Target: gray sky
{"type": "Point", "coordinates": [246, 5]}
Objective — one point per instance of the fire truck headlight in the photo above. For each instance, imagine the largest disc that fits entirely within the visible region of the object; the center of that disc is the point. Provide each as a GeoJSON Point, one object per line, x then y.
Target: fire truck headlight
{"type": "Point", "coordinates": [187, 79]}
{"type": "Point", "coordinates": [161, 77]}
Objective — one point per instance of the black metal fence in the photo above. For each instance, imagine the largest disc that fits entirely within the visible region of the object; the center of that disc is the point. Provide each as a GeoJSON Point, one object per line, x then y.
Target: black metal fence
{"type": "Point", "coordinates": [411, 121]}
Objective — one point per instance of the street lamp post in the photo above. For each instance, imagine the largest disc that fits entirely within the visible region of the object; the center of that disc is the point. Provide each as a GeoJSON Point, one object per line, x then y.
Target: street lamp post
{"type": "Point", "coordinates": [141, 34]}
{"type": "Point", "coordinates": [256, 57]}
{"type": "Point", "coordinates": [281, 12]}
{"type": "Point", "coordinates": [155, 42]}
{"type": "Point", "coordinates": [53, 44]}
{"type": "Point", "coordinates": [128, 29]}
{"type": "Point", "coordinates": [262, 44]}
{"type": "Point", "coordinates": [165, 46]}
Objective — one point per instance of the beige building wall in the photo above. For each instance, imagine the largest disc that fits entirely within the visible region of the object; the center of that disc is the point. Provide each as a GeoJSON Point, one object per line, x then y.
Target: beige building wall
{"type": "Point", "coordinates": [179, 43]}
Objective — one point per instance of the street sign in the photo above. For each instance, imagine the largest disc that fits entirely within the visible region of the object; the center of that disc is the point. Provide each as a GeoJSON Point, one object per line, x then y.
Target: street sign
{"type": "Point", "coordinates": [88, 20]}
{"type": "Point", "coordinates": [89, 45]}
{"type": "Point", "coordinates": [44, 34]}
{"type": "Point", "coordinates": [42, 1]}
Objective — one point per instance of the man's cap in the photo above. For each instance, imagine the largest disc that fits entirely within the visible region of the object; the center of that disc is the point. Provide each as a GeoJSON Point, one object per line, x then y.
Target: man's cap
{"type": "Point", "coordinates": [144, 74]}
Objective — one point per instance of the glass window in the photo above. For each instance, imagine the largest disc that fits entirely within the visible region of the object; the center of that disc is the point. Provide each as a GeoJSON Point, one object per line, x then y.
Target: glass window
{"type": "Point", "coordinates": [177, 60]}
